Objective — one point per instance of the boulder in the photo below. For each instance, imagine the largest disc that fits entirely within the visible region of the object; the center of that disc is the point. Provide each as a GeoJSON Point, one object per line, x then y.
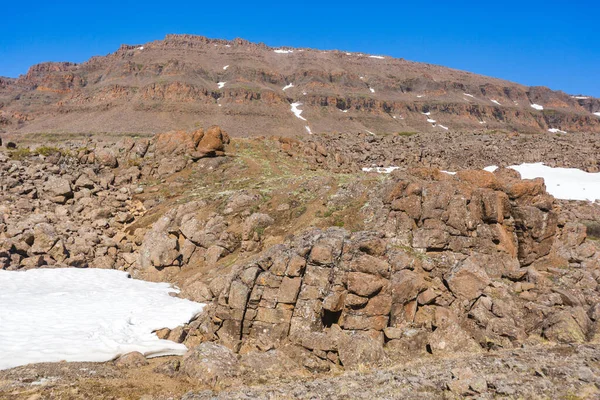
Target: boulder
{"type": "Point", "coordinates": [210, 364]}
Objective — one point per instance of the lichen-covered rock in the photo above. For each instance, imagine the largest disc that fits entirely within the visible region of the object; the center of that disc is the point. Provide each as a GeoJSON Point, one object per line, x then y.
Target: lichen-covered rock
{"type": "Point", "coordinates": [210, 364]}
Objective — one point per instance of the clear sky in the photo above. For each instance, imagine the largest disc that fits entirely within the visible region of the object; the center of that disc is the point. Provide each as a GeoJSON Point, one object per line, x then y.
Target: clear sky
{"type": "Point", "coordinates": [549, 43]}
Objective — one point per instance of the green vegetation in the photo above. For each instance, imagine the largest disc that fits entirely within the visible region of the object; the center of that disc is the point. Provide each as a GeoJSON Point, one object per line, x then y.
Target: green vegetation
{"type": "Point", "coordinates": [20, 153]}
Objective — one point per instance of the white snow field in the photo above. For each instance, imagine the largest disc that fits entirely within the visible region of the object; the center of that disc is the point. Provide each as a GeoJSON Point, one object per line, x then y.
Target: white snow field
{"type": "Point", "coordinates": [51, 315]}
{"type": "Point", "coordinates": [564, 183]}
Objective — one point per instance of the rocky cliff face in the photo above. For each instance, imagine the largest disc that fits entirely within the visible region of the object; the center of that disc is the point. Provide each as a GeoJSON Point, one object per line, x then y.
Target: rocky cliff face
{"type": "Point", "coordinates": [249, 89]}
{"type": "Point", "coordinates": [458, 264]}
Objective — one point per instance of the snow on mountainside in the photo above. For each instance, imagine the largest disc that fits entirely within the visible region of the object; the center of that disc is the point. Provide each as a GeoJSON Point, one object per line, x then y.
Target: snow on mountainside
{"type": "Point", "coordinates": [238, 85]}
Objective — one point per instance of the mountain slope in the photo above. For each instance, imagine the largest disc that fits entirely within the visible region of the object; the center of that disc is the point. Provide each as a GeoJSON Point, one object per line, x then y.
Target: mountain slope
{"type": "Point", "coordinates": [250, 89]}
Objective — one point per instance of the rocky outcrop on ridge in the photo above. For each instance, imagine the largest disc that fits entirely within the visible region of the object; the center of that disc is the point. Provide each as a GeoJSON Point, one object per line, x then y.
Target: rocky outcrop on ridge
{"type": "Point", "coordinates": [464, 264]}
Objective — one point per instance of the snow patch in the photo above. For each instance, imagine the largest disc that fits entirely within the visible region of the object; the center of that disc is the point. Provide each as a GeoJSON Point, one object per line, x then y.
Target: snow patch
{"type": "Point", "coordinates": [432, 121]}
{"type": "Point", "coordinates": [448, 172]}
{"type": "Point", "coordinates": [428, 113]}
{"type": "Point", "coordinates": [71, 314]}
{"type": "Point", "coordinates": [580, 97]}
{"type": "Point", "coordinates": [470, 95]}
{"type": "Point", "coordinates": [482, 122]}
{"type": "Point", "coordinates": [141, 48]}
{"type": "Point", "coordinates": [537, 107]}
{"type": "Point", "coordinates": [442, 126]}
{"type": "Point", "coordinates": [291, 85]}
{"type": "Point", "coordinates": [378, 57]}
{"type": "Point", "coordinates": [495, 102]}
{"type": "Point", "coordinates": [597, 114]}
{"type": "Point", "coordinates": [282, 51]}
{"type": "Point", "coordinates": [296, 111]}
{"type": "Point", "coordinates": [555, 130]}
{"type": "Point", "coordinates": [564, 183]}
{"type": "Point", "coordinates": [380, 170]}
{"type": "Point", "coordinates": [308, 129]}
{"type": "Point", "coordinates": [225, 67]}
{"type": "Point", "coordinates": [419, 95]}
{"type": "Point", "coordinates": [372, 90]}
{"type": "Point", "coordinates": [221, 84]}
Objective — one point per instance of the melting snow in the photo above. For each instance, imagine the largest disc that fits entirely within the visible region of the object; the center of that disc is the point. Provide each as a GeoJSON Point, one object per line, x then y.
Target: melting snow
{"type": "Point", "coordinates": [419, 95]}
{"type": "Point", "coordinates": [564, 183]}
{"type": "Point", "coordinates": [431, 120]}
{"type": "Point", "coordinates": [580, 97]}
{"type": "Point", "coordinates": [470, 95]}
{"type": "Point", "coordinates": [372, 90]}
{"type": "Point", "coordinates": [554, 130]}
{"type": "Point", "coordinates": [442, 126]}
{"type": "Point", "coordinates": [380, 170]}
{"type": "Point", "coordinates": [296, 111]}
{"type": "Point", "coordinates": [291, 85]}
{"type": "Point", "coordinates": [428, 113]}
{"type": "Point", "coordinates": [537, 107]}
{"type": "Point", "coordinates": [308, 129]}
{"type": "Point", "coordinates": [50, 315]}
{"type": "Point", "coordinates": [225, 67]}
{"type": "Point", "coordinates": [449, 173]}
{"type": "Point", "coordinates": [378, 57]}
{"type": "Point", "coordinates": [482, 122]}
{"type": "Point", "coordinates": [281, 51]}
{"type": "Point", "coordinates": [597, 114]}
{"type": "Point", "coordinates": [221, 84]}
{"type": "Point", "coordinates": [496, 102]}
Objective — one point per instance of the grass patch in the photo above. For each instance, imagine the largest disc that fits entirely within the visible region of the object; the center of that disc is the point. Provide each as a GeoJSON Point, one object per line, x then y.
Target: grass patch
{"type": "Point", "coordinates": [20, 153]}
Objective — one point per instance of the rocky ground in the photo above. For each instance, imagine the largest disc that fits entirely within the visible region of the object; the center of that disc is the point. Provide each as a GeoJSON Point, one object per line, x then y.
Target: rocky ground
{"type": "Point", "coordinates": [321, 280]}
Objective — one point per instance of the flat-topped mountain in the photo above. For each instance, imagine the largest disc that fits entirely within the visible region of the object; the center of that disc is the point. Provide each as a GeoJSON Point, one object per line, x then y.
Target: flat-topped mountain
{"type": "Point", "coordinates": [251, 89]}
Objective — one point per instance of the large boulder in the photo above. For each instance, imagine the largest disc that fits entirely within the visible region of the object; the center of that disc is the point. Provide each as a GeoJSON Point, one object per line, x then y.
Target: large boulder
{"type": "Point", "coordinates": [210, 364]}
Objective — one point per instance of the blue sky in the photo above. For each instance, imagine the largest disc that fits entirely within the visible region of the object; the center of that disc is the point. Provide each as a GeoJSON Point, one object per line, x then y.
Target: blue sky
{"type": "Point", "coordinates": [550, 43]}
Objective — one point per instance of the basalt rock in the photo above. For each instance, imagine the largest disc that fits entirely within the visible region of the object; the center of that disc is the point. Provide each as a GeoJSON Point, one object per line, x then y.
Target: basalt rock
{"type": "Point", "coordinates": [463, 275]}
